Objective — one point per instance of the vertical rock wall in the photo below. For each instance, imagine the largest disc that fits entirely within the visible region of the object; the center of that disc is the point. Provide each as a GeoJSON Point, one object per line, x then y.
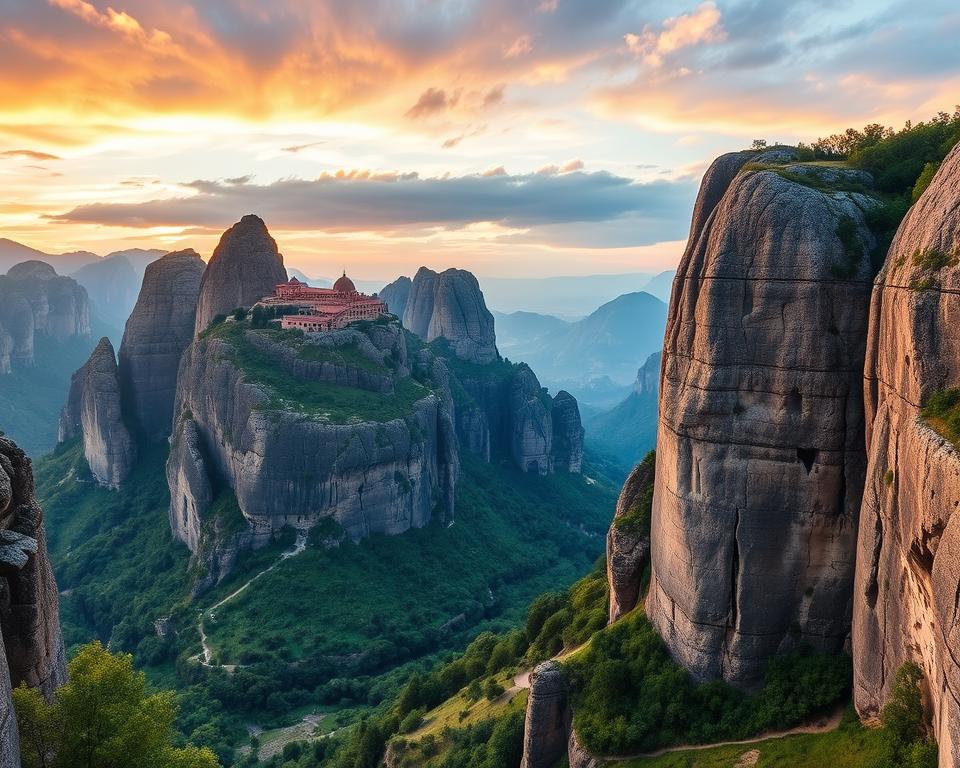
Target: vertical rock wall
{"type": "Point", "coordinates": [908, 560]}
{"type": "Point", "coordinates": [760, 444]}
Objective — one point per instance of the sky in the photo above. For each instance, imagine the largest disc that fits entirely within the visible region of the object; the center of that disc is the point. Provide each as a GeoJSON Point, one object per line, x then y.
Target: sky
{"type": "Point", "coordinates": [509, 137]}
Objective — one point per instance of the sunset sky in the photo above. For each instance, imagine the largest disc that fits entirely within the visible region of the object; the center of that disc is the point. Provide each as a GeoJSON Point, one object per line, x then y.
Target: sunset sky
{"type": "Point", "coordinates": [510, 137]}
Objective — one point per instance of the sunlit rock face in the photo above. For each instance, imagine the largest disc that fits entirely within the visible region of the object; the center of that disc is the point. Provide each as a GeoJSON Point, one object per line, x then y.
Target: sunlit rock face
{"type": "Point", "coordinates": [908, 559]}
{"type": "Point", "coordinates": [245, 267]}
{"type": "Point", "coordinates": [157, 332]}
{"type": "Point", "coordinates": [760, 452]}
{"type": "Point", "coordinates": [31, 646]}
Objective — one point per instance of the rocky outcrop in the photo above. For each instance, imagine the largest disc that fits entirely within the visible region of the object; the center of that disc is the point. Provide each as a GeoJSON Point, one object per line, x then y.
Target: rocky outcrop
{"type": "Point", "coordinates": [531, 425]}
{"type": "Point", "coordinates": [567, 433]}
{"type": "Point", "coordinates": [628, 539]}
{"type": "Point", "coordinates": [94, 412]}
{"type": "Point", "coordinates": [245, 267]}
{"type": "Point", "coordinates": [908, 558]}
{"type": "Point", "coordinates": [31, 646]}
{"type": "Point", "coordinates": [34, 300]}
{"type": "Point", "coordinates": [293, 461]}
{"type": "Point", "coordinates": [450, 305]}
{"type": "Point", "coordinates": [648, 375]}
{"type": "Point", "coordinates": [157, 332]}
{"type": "Point", "coordinates": [547, 721]}
{"type": "Point", "coordinates": [760, 442]}
{"type": "Point", "coordinates": [577, 755]}
{"type": "Point", "coordinates": [396, 295]}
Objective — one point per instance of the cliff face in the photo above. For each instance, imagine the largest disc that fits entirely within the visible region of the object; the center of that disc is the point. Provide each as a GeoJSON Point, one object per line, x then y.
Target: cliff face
{"type": "Point", "coordinates": [450, 305]}
{"type": "Point", "coordinates": [908, 559]}
{"type": "Point", "coordinates": [35, 300]}
{"type": "Point", "coordinates": [567, 433]}
{"type": "Point", "coordinates": [546, 724]}
{"type": "Point", "coordinates": [628, 540]}
{"type": "Point", "coordinates": [245, 267]}
{"type": "Point", "coordinates": [157, 332]}
{"type": "Point", "coordinates": [31, 647]}
{"type": "Point", "coordinates": [396, 295]}
{"type": "Point", "coordinates": [292, 459]}
{"type": "Point", "coordinates": [760, 442]}
{"type": "Point", "coordinates": [531, 430]}
{"type": "Point", "coordinates": [648, 376]}
{"type": "Point", "coordinates": [93, 410]}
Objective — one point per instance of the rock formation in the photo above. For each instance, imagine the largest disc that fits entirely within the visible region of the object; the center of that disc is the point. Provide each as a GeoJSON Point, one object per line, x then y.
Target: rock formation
{"type": "Point", "coordinates": [396, 295]}
{"type": "Point", "coordinates": [157, 332]}
{"type": "Point", "coordinates": [31, 646]}
{"type": "Point", "coordinates": [546, 725]}
{"type": "Point", "coordinates": [628, 540]}
{"type": "Point", "coordinates": [34, 300]}
{"type": "Point", "coordinates": [291, 462]}
{"type": "Point", "coordinates": [567, 433]}
{"type": "Point", "coordinates": [648, 375]}
{"type": "Point", "coordinates": [93, 411]}
{"type": "Point", "coordinates": [450, 305]}
{"type": "Point", "coordinates": [908, 558]}
{"type": "Point", "coordinates": [760, 448]}
{"type": "Point", "coordinates": [245, 267]}
{"type": "Point", "coordinates": [531, 428]}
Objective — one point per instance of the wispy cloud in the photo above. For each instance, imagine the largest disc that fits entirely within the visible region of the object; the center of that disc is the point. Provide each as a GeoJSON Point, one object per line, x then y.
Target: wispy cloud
{"type": "Point", "coordinates": [29, 154]}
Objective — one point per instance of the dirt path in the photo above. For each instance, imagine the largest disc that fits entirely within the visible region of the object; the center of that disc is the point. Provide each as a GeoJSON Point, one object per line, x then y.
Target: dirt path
{"type": "Point", "coordinates": [299, 546]}
{"type": "Point", "coordinates": [822, 725]}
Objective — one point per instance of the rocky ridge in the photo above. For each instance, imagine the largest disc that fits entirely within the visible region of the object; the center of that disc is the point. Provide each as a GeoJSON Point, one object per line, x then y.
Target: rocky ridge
{"type": "Point", "coordinates": [31, 646]}
{"type": "Point", "coordinates": [94, 412]}
{"type": "Point", "coordinates": [157, 332]}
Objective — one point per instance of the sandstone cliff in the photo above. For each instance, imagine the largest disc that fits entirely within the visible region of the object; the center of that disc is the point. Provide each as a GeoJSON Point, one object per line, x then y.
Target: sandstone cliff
{"type": "Point", "coordinates": [330, 426]}
{"type": "Point", "coordinates": [760, 446]}
{"type": "Point", "coordinates": [628, 540]}
{"type": "Point", "coordinates": [908, 558]}
{"type": "Point", "coordinates": [31, 647]}
{"type": "Point", "coordinates": [648, 375]}
{"type": "Point", "coordinates": [34, 300]}
{"type": "Point", "coordinates": [245, 267]}
{"type": "Point", "coordinates": [396, 295]}
{"type": "Point", "coordinates": [567, 433]}
{"type": "Point", "coordinates": [94, 412]}
{"type": "Point", "coordinates": [450, 305]}
{"type": "Point", "coordinates": [157, 332]}
{"type": "Point", "coordinates": [531, 425]}
{"type": "Point", "coordinates": [546, 726]}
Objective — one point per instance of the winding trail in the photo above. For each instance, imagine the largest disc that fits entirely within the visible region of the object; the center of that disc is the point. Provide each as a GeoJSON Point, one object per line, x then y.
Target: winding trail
{"type": "Point", "coordinates": [299, 546]}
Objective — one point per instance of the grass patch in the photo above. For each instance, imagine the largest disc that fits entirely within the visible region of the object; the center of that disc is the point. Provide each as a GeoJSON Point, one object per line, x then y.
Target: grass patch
{"type": "Point", "coordinates": [942, 412]}
{"type": "Point", "coordinates": [637, 518]}
{"type": "Point", "coordinates": [931, 262]}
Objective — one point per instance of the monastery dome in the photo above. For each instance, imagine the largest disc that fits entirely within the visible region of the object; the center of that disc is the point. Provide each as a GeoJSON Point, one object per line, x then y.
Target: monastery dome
{"type": "Point", "coordinates": [344, 285]}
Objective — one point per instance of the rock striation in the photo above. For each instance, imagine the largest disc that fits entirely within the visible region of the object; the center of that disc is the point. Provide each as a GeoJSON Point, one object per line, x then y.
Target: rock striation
{"type": "Point", "coordinates": [158, 330]}
{"type": "Point", "coordinates": [908, 557]}
{"type": "Point", "coordinates": [245, 267]}
{"type": "Point", "coordinates": [291, 462]}
{"type": "Point", "coordinates": [396, 295]}
{"type": "Point", "coordinates": [34, 301]}
{"type": "Point", "coordinates": [760, 441]}
{"type": "Point", "coordinates": [31, 646]}
{"type": "Point", "coordinates": [546, 725]}
{"type": "Point", "coordinates": [450, 305]}
{"type": "Point", "coordinates": [628, 539]}
{"type": "Point", "coordinates": [94, 412]}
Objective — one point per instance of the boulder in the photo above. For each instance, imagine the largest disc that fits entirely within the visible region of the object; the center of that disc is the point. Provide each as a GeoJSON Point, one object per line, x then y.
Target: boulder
{"type": "Point", "coordinates": [450, 305]}
{"type": "Point", "coordinates": [760, 443]}
{"type": "Point", "coordinates": [31, 646]}
{"type": "Point", "coordinates": [567, 434]}
{"type": "Point", "coordinates": [158, 330]}
{"type": "Point", "coordinates": [908, 556]}
{"type": "Point", "coordinates": [94, 412]}
{"type": "Point", "coordinates": [628, 540]}
{"type": "Point", "coordinates": [396, 294]}
{"type": "Point", "coordinates": [245, 267]}
{"type": "Point", "coordinates": [547, 720]}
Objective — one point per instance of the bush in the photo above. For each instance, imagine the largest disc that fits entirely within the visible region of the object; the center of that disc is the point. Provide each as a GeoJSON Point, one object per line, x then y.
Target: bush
{"type": "Point", "coordinates": [906, 743]}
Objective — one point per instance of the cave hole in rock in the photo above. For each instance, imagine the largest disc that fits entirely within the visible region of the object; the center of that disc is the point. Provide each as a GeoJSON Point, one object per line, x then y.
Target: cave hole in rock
{"type": "Point", "coordinates": [807, 456]}
{"type": "Point", "coordinates": [795, 404]}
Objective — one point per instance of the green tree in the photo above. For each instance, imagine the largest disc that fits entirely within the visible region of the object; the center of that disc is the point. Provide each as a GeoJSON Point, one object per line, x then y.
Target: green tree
{"type": "Point", "coordinates": [102, 717]}
{"type": "Point", "coordinates": [907, 742]}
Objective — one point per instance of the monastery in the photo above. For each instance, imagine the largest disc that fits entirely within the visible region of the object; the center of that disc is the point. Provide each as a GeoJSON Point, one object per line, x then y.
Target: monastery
{"type": "Point", "coordinates": [324, 309]}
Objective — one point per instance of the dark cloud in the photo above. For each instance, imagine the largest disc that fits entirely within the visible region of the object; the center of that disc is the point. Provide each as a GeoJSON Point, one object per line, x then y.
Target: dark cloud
{"type": "Point", "coordinates": [28, 154]}
{"type": "Point", "coordinates": [360, 201]}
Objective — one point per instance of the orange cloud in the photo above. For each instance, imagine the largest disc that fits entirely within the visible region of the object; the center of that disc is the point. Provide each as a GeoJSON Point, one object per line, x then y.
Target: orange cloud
{"type": "Point", "coordinates": [701, 26]}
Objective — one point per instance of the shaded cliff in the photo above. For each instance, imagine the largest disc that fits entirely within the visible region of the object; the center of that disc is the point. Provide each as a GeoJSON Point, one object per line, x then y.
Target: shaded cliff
{"type": "Point", "coordinates": [628, 540]}
{"type": "Point", "coordinates": [302, 429]}
{"type": "Point", "coordinates": [760, 447]}
{"type": "Point", "coordinates": [31, 646]}
{"type": "Point", "coordinates": [396, 295]}
{"type": "Point", "coordinates": [908, 559]}
{"type": "Point", "coordinates": [34, 300]}
{"type": "Point", "coordinates": [245, 267]}
{"type": "Point", "coordinates": [450, 305]}
{"type": "Point", "coordinates": [157, 332]}
{"type": "Point", "coordinates": [94, 411]}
